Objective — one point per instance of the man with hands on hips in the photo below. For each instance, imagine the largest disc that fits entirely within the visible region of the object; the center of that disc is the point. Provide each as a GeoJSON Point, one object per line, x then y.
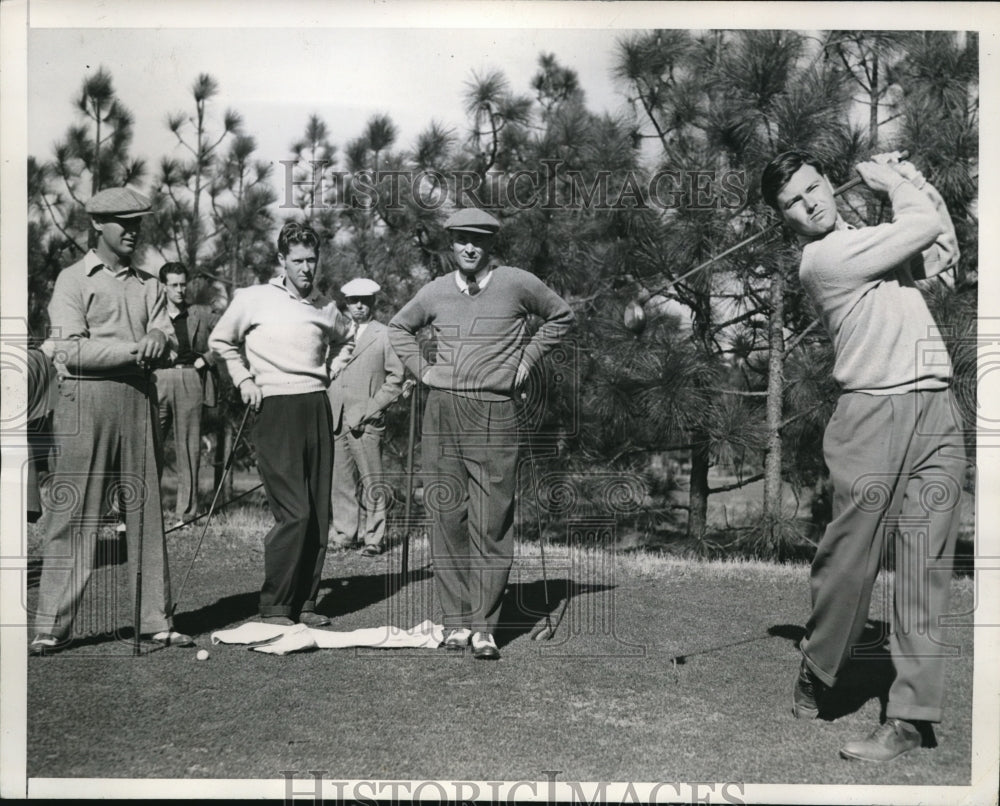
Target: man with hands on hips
{"type": "Point", "coordinates": [484, 354]}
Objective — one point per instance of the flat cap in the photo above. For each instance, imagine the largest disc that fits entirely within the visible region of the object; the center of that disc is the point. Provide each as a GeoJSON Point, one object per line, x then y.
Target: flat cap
{"type": "Point", "coordinates": [360, 287]}
{"type": "Point", "coordinates": [118, 202]}
{"type": "Point", "coordinates": [472, 219]}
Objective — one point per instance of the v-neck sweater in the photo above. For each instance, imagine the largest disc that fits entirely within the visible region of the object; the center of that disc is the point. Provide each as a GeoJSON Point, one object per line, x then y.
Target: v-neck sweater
{"type": "Point", "coordinates": [481, 340]}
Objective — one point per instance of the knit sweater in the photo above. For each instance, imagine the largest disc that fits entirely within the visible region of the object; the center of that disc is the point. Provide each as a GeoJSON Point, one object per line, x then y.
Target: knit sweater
{"type": "Point", "coordinates": [97, 317]}
{"type": "Point", "coordinates": [287, 340]}
{"type": "Point", "coordinates": [862, 283]}
{"type": "Point", "coordinates": [481, 340]}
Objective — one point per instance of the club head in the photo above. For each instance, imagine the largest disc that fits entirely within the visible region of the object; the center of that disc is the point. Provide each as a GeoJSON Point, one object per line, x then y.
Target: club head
{"type": "Point", "coordinates": [635, 317]}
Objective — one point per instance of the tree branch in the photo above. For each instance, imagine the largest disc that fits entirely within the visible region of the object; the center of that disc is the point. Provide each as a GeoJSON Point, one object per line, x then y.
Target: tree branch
{"type": "Point", "coordinates": [735, 485]}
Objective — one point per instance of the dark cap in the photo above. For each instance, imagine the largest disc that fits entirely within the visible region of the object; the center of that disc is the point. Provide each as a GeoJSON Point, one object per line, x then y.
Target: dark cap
{"type": "Point", "coordinates": [118, 202]}
{"type": "Point", "coordinates": [471, 219]}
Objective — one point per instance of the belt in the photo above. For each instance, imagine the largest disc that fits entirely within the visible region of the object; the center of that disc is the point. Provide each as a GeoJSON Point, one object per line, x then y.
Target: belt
{"type": "Point", "coordinates": [182, 366]}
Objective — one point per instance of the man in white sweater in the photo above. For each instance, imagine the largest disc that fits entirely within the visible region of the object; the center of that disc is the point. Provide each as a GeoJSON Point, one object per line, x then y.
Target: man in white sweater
{"type": "Point", "coordinates": [893, 446]}
{"type": "Point", "coordinates": [287, 329]}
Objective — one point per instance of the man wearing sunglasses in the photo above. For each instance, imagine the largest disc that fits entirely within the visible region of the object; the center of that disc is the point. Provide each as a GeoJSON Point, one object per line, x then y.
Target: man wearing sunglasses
{"type": "Point", "coordinates": [484, 353]}
{"type": "Point", "coordinates": [367, 377]}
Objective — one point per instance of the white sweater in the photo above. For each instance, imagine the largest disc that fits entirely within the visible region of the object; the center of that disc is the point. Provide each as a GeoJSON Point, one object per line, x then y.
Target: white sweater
{"type": "Point", "coordinates": [287, 340]}
{"type": "Point", "coordinates": [862, 283]}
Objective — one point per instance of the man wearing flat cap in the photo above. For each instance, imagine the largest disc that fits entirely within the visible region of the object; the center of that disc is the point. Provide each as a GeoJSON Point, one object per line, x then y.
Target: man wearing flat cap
{"type": "Point", "coordinates": [484, 353]}
{"type": "Point", "coordinates": [367, 377]}
{"type": "Point", "coordinates": [109, 325]}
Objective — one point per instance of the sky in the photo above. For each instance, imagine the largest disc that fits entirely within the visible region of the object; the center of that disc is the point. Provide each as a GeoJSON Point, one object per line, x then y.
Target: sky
{"type": "Point", "coordinates": [277, 78]}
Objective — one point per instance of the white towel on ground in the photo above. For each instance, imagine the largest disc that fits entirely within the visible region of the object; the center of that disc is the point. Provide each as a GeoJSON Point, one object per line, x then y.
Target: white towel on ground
{"type": "Point", "coordinates": [276, 639]}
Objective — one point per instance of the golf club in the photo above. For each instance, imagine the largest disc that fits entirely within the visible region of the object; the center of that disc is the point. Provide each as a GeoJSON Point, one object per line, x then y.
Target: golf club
{"type": "Point", "coordinates": [405, 565]}
{"type": "Point", "coordinates": [223, 505]}
{"type": "Point", "coordinates": [546, 627]}
{"type": "Point", "coordinates": [211, 509]}
{"type": "Point", "coordinates": [137, 604]}
{"type": "Point", "coordinates": [635, 315]}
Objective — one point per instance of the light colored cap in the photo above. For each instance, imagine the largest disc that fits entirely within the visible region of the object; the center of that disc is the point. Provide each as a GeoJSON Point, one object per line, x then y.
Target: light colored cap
{"type": "Point", "coordinates": [360, 287]}
{"type": "Point", "coordinates": [118, 202]}
{"type": "Point", "coordinates": [472, 219]}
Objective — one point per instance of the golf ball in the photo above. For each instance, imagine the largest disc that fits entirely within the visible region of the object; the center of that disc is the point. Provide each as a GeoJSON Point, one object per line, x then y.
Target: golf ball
{"type": "Point", "coordinates": [202, 654]}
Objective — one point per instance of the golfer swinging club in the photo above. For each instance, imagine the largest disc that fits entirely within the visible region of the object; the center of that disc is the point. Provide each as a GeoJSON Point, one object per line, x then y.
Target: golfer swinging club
{"type": "Point", "coordinates": [893, 446]}
{"type": "Point", "coordinates": [287, 328]}
{"type": "Point", "coordinates": [470, 441]}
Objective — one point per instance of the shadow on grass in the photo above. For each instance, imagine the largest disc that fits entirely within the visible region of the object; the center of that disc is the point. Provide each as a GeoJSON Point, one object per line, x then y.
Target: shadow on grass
{"type": "Point", "coordinates": [350, 594]}
{"type": "Point", "coordinates": [867, 675]}
{"type": "Point", "coordinates": [525, 605]}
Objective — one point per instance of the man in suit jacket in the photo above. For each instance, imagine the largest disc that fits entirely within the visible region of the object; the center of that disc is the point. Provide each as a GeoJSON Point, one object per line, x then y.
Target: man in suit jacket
{"type": "Point", "coordinates": [367, 377]}
{"type": "Point", "coordinates": [186, 384]}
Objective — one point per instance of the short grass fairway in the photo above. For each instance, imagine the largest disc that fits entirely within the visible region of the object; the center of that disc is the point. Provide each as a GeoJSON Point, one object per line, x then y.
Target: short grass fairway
{"type": "Point", "coordinates": [662, 670]}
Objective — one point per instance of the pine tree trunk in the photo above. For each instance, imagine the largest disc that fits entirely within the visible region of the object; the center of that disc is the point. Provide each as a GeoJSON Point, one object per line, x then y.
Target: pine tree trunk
{"type": "Point", "coordinates": [775, 390]}
{"type": "Point", "coordinates": [698, 498]}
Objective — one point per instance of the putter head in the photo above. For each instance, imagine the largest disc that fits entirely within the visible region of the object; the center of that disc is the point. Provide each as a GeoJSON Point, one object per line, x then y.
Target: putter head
{"type": "Point", "coordinates": [546, 628]}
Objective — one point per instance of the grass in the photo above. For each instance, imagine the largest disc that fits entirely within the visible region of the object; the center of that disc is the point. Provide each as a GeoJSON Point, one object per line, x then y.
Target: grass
{"type": "Point", "coordinates": [663, 669]}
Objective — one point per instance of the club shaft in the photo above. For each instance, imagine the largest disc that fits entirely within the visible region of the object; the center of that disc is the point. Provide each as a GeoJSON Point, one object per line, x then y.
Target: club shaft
{"type": "Point", "coordinates": [137, 604]}
{"type": "Point", "coordinates": [405, 566]}
{"type": "Point", "coordinates": [211, 509]}
{"type": "Point", "coordinates": [765, 233]}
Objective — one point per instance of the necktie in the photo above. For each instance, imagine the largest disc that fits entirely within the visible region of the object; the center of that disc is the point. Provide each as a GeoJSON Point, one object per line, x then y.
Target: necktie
{"type": "Point", "coordinates": [473, 285]}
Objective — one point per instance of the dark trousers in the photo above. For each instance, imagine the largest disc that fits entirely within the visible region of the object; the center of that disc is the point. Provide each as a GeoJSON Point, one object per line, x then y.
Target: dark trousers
{"type": "Point", "coordinates": [897, 464]}
{"type": "Point", "coordinates": [294, 444]}
{"type": "Point", "coordinates": [470, 451]}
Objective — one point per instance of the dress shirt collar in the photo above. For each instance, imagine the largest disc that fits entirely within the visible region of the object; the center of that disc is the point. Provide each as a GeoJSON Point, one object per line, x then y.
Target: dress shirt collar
{"type": "Point", "coordinates": [92, 263]}
{"type": "Point", "coordinates": [482, 277]}
{"type": "Point", "coordinates": [315, 298]}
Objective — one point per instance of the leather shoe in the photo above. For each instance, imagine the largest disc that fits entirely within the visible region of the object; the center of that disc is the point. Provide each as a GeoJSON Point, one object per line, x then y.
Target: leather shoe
{"type": "Point", "coordinates": [44, 644]}
{"type": "Point", "coordinates": [313, 619]}
{"type": "Point", "coordinates": [171, 638]}
{"type": "Point", "coordinates": [484, 647]}
{"type": "Point", "coordinates": [889, 740]}
{"type": "Point", "coordinates": [371, 551]}
{"type": "Point", "coordinates": [457, 640]}
{"type": "Point", "coordinates": [807, 694]}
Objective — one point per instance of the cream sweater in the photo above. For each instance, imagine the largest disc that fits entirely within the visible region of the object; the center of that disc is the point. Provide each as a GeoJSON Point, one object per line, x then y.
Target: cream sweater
{"type": "Point", "coordinates": [862, 283]}
{"type": "Point", "coordinates": [287, 340]}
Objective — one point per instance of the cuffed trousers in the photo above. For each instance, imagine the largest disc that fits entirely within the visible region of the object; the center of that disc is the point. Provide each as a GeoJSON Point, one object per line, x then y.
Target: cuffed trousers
{"type": "Point", "coordinates": [357, 460]}
{"type": "Point", "coordinates": [180, 400]}
{"type": "Point", "coordinates": [470, 450]}
{"type": "Point", "coordinates": [105, 435]}
{"type": "Point", "coordinates": [293, 438]}
{"type": "Point", "coordinates": [897, 463]}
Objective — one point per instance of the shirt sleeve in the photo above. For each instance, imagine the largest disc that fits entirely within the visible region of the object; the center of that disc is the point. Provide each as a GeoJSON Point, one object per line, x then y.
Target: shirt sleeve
{"type": "Point", "coordinates": [853, 257]}
{"type": "Point", "coordinates": [556, 314]}
{"type": "Point", "coordinates": [943, 253]}
{"type": "Point", "coordinates": [159, 319]}
{"type": "Point", "coordinates": [337, 353]}
{"type": "Point", "coordinates": [70, 339]}
{"type": "Point", "coordinates": [227, 336]}
{"type": "Point", "coordinates": [403, 330]}
{"type": "Point", "coordinates": [392, 386]}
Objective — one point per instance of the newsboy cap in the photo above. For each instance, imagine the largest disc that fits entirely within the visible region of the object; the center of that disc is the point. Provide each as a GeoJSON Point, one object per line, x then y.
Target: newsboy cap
{"type": "Point", "coordinates": [118, 202]}
{"type": "Point", "coordinates": [360, 287]}
{"type": "Point", "coordinates": [472, 219]}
